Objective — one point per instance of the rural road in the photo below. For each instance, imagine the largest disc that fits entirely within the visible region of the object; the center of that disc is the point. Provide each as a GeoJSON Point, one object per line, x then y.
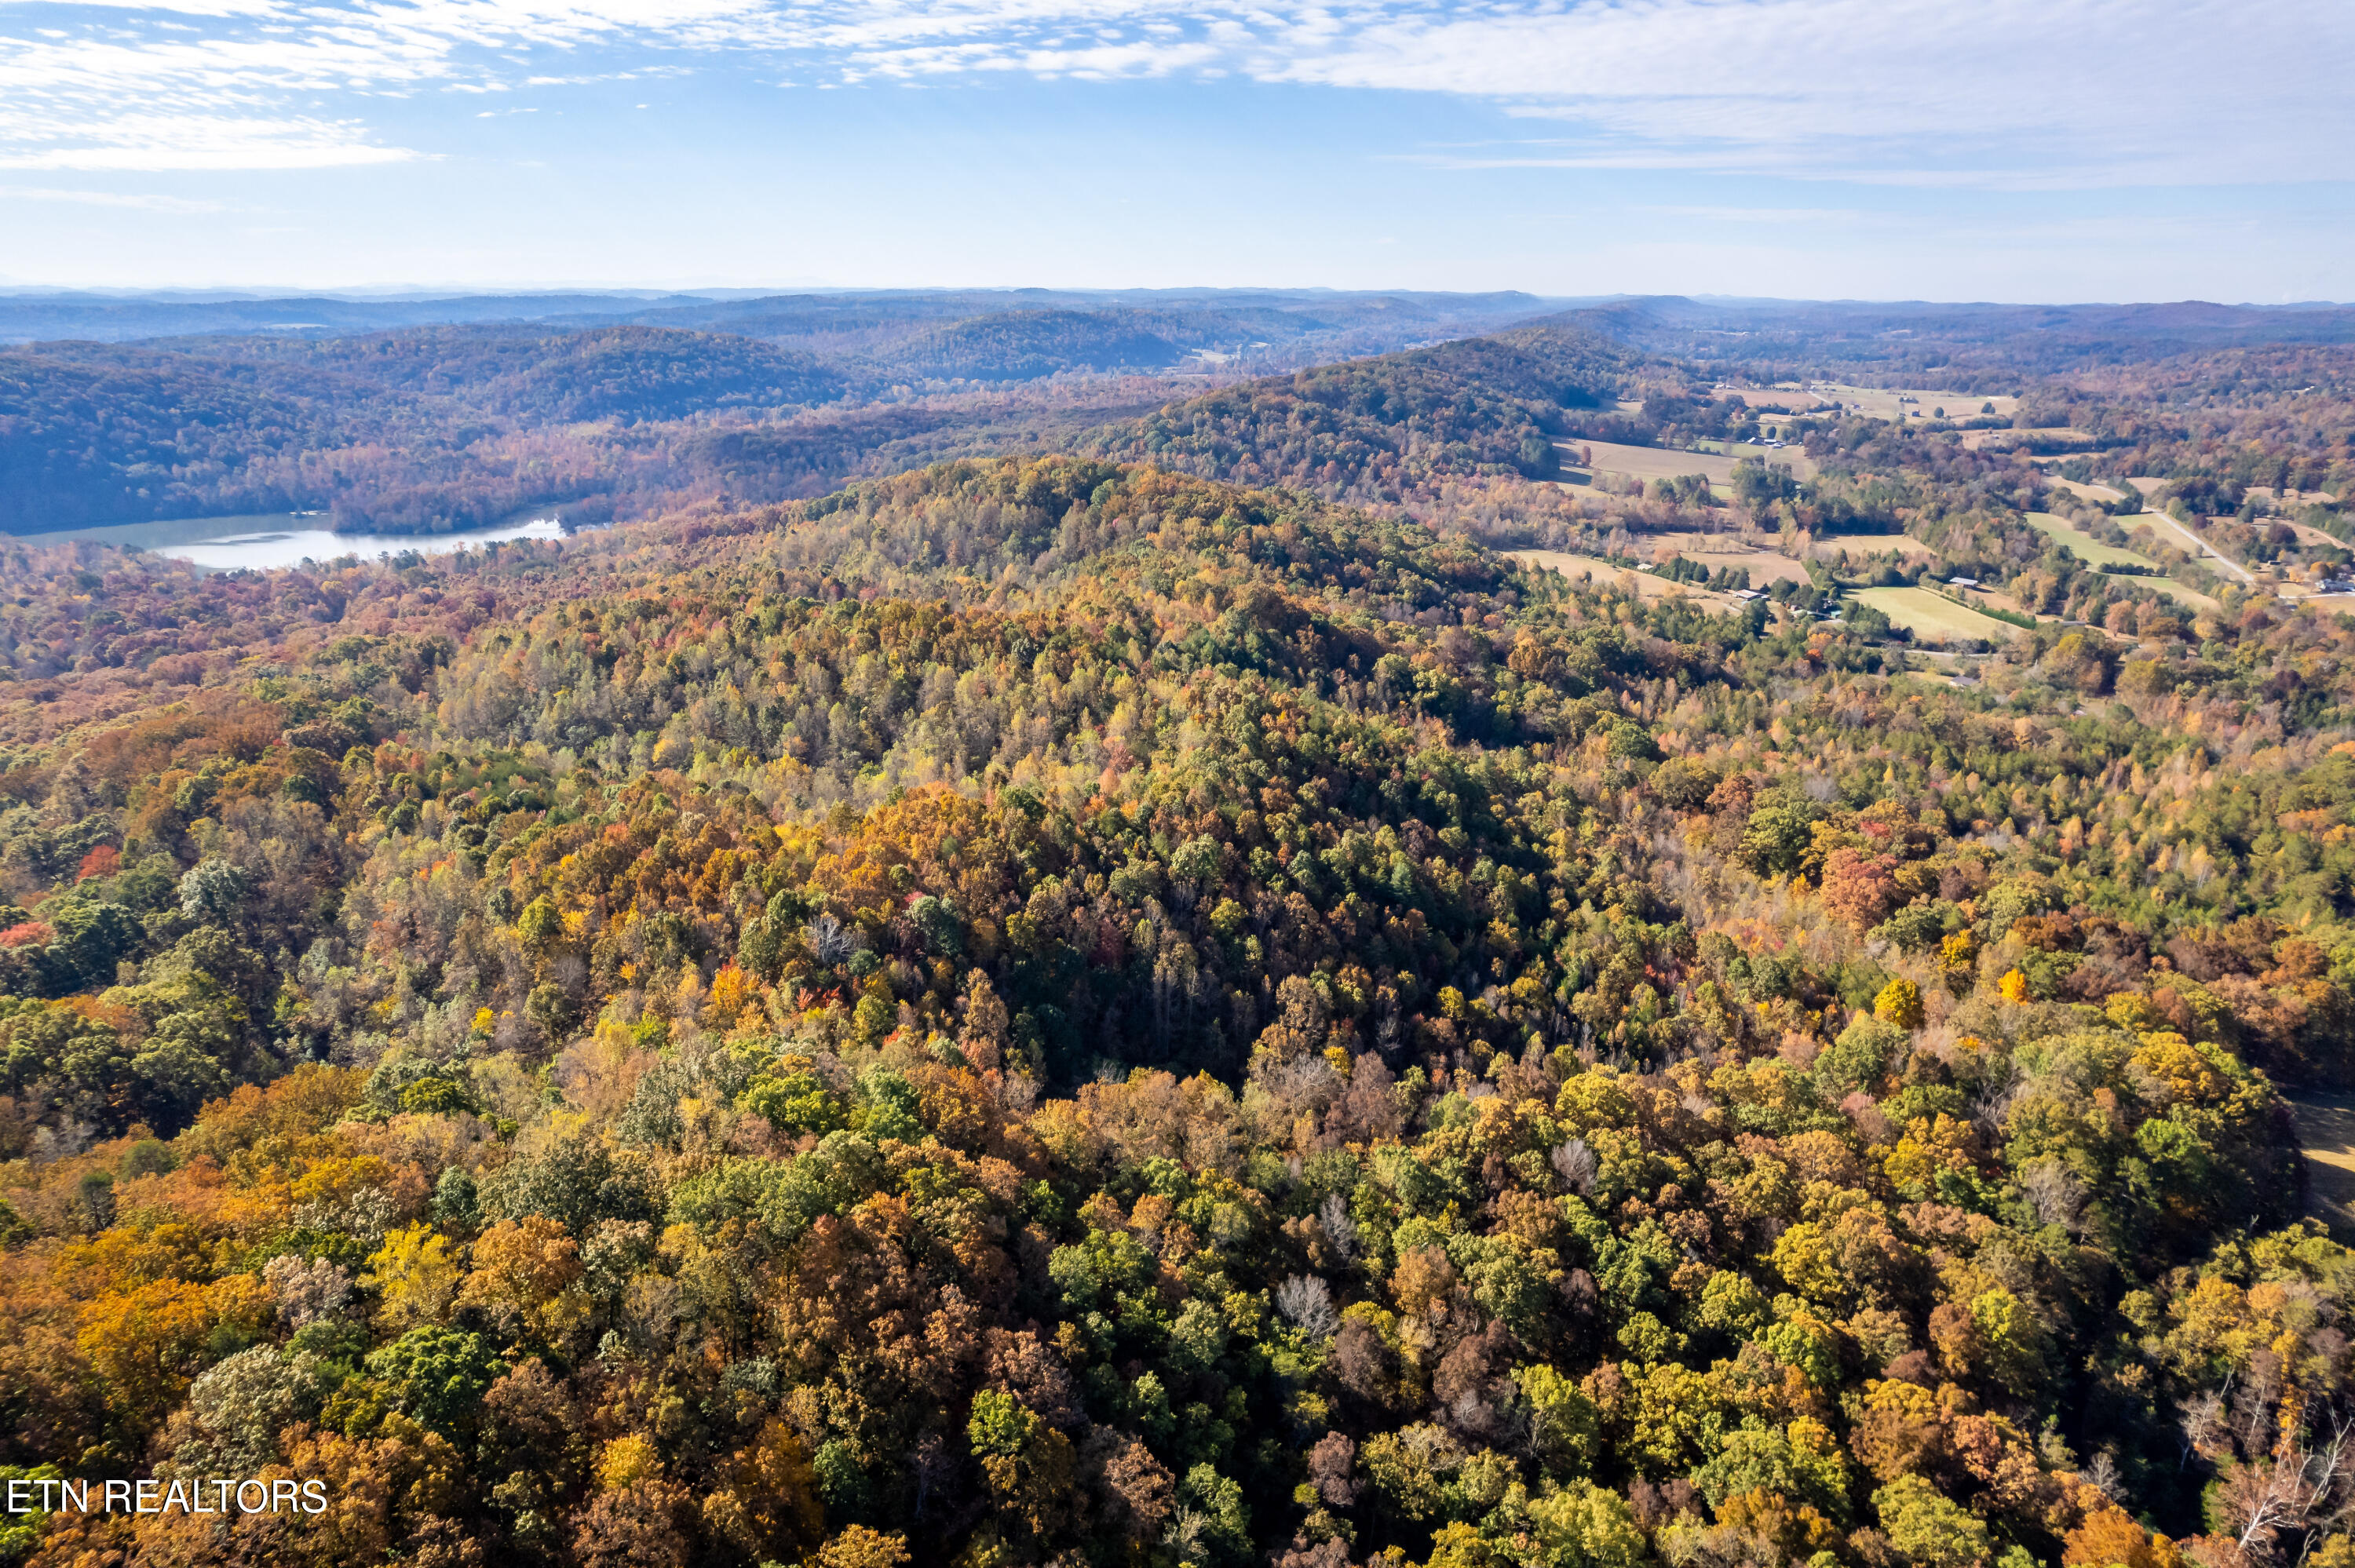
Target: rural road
{"type": "Point", "coordinates": [2199, 549]}
{"type": "Point", "coordinates": [2326, 1132]}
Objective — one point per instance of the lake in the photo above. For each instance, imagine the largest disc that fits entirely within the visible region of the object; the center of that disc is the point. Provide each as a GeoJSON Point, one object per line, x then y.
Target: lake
{"type": "Point", "coordinates": [283, 539]}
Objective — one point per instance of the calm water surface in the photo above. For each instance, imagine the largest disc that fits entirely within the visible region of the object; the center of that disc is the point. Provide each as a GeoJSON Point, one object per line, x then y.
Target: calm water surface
{"type": "Point", "coordinates": [285, 539]}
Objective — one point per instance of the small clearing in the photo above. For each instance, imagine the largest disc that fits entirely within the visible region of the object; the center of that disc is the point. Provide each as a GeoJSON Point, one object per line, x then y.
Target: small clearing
{"type": "Point", "coordinates": [2325, 1133]}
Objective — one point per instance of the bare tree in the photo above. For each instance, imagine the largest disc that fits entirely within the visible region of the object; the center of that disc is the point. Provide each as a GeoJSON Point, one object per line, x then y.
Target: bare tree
{"type": "Point", "coordinates": [1339, 1228]}
{"type": "Point", "coordinates": [1575, 1164]}
{"type": "Point", "coordinates": [827, 941]}
{"type": "Point", "coordinates": [2056, 1197]}
{"type": "Point", "coordinates": [1306, 1303]}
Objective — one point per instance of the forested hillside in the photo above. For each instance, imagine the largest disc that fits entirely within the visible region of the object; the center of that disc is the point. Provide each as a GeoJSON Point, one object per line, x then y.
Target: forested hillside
{"type": "Point", "coordinates": [434, 430]}
{"type": "Point", "coordinates": [93, 434]}
{"type": "Point", "coordinates": [1958, 346]}
{"type": "Point", "coordinates": [1389, 429]}
{"type": "Point", "coordinates": [1057, 1009]}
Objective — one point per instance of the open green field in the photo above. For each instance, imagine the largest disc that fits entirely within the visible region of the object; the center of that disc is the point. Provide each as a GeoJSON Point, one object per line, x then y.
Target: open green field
{"type": "Point", "coordinates": [2095, 553]}
{"type": "Point", "coordinates": [2182, 593]}
{"type": "Point", "coordinates": [1933, 616]}
{"type": "Point", "coordinates": [2085, 547]}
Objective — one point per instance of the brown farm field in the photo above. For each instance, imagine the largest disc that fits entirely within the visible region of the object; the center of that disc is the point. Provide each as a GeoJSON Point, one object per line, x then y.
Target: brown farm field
{"type": "Point", "coordinates": [1980, 440]}
{"type": "Point", "coordinates": [2087, 491]}
{"type": "Point", "coordinates": [1729, 550]}
{"type": "Point", "coordinates": [1874, 402]}
{"type": "Point", "coordinates": [1775, 399]}
{"type": "Point", "coordinates": [1802, 466]}
{"type": "Point", "coordinates": [1854, 546]}
{"type": "Point", "coordinates": [1647, 585]}
{"type": "Point", "coordinates": [1648, 463]}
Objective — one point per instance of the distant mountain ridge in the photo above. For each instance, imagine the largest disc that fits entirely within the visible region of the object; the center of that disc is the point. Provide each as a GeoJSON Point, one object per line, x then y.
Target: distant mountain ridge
{"type": "Point", "coordinates": [49, 317]}
{"type": "Point", "coordinates": [452, 424]}
{"type": "Point", "coordinates": [618, 405]}
{"type": "Point", "coordinates": [1913, 335]}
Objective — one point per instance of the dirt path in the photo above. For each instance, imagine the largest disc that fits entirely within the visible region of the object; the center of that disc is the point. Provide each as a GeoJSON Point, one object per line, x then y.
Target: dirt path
{"type": "Point", "coordinates": [2325, 1131]}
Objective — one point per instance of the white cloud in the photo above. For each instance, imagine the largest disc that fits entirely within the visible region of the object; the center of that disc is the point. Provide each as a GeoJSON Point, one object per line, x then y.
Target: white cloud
{"type": "Point", "coordinates": [1917, 91]}
{"type": "Point", "coordinates": [2015, 93]}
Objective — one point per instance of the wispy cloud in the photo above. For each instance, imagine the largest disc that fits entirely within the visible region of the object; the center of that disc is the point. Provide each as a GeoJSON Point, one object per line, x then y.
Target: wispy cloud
{"type": "Point", "coordinates": [109, 198]}
{"type": "Point", "coordinates": [1814, 217]}
{"type": "Point", "coordinates": [1996, 92]}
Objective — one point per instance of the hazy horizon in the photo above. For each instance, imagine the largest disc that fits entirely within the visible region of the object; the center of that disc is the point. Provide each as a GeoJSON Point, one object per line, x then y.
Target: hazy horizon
{"type": "Point", "coordinates": [199, 292]}
{"type": "Point", "coordinates": [1803, 149]}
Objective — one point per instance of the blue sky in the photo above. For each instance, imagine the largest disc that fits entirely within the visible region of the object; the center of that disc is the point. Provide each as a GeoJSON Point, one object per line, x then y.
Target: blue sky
{"type": "Point", "coordinates": [1885, 149]}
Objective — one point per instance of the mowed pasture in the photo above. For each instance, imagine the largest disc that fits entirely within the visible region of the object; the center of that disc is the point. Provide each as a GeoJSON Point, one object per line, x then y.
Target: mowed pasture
{"type": "Point", "coordinates": [1933, 616]}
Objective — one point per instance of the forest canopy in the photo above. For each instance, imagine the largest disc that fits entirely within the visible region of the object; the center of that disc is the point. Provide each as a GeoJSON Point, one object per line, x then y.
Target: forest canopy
{"type": "Point", "coordinates": [1170, 1004]}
